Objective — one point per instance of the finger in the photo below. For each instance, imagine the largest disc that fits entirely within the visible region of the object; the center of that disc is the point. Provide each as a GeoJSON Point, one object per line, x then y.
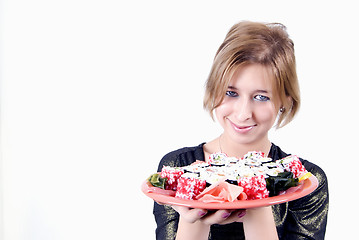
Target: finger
{"type": "Point", "coordinates": [236, 216]}
{"type": "Point", "coordinates": [190, 215]}
{"type": "Point", "coordinates": [217, 217]}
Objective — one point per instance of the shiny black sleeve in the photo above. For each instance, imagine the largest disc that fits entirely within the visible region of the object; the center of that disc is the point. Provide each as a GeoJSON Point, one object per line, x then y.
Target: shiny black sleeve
{"type": "Point", "coordinates": [167, 222]}
{"type": "Point", "coordinates": [307, 216]}
{"type": "Point", "coordinates": [166, 217]}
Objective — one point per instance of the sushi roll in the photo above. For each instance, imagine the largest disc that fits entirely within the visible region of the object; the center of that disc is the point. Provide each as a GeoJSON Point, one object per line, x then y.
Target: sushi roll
{"type": "Point", "coordinates": [217, 163]}
{"type": "Point", "coordinates": [266, 160]}
{"type": "Point", "coordinates": [254, 159]}
{"type": "Point", "coordinates": [255, 187]}
{"type": "Point", "coordinates": [293, 164]}
{"type": "Point", "coordinates": [232, 178]}
{"type": "Point", "coordinates": [232, 160]}
{"type": "Point", "coordinates": [189, 186]}
{"type": "Point", "coordinates": [218, 156]}
{"type": "Point", "coordinates": [274, 171]}
{"type": "Point", "coordinates": [270, 165]}
{"type": "Point", "coordinates": [172, 174]}
{"type": "Point", "coordinates": [197, 168]}
{"type": "Point", "coordinates": [245, 171]}
{"type": "Point", "coordinates": [254, 155]}
{"type": "Point", "coordinates": [217, 159]}
{"type": "Point", "coordinates": [211, 176]}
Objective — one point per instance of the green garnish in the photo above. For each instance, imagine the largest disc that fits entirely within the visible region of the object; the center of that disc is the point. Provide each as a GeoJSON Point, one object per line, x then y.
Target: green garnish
{"type": "Point", "coordinates": [157, 181]}
{"type": "Point", "coordinates": [281, 182]}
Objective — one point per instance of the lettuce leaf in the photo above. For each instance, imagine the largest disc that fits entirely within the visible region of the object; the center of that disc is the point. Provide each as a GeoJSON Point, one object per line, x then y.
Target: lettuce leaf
{"type": "Point", "coordinates": [281, 182]}
{"type": "Point", "coordinates": [157, 181]}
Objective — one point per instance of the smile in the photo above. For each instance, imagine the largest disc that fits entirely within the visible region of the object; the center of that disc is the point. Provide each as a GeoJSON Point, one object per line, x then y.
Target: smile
{"type": "Point", "coordinates": [242, 129]}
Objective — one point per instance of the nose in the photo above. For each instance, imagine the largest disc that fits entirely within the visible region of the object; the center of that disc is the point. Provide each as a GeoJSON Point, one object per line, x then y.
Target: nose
{"type": "Point", "coordinates": [243, 110]}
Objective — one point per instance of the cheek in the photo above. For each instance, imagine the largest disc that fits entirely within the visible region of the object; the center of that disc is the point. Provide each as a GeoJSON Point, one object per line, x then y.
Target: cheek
{"type": "Point", "coordinates": [222, 111]}
{"type": "Point", "coordinates": [266, 114]}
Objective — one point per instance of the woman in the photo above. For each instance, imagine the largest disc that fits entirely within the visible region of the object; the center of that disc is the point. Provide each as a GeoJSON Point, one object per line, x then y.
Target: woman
{"type": "Point", "coordinates": [252, 86]}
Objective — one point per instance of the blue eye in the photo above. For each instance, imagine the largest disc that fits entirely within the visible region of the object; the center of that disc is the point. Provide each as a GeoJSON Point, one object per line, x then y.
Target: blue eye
{"type": "Point", "coordinates": [231, 94]}
{"type": "Point", "coordinates": [261, 98]}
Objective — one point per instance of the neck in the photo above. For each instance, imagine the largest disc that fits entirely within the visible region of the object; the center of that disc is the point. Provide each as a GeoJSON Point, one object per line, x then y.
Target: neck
{"type": "Point", "coordinates": [235, 149]}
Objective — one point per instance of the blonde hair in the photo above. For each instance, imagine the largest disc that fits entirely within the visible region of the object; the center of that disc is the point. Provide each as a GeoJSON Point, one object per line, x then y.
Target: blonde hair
{"type": "Point", "coordinates": [262, 43]}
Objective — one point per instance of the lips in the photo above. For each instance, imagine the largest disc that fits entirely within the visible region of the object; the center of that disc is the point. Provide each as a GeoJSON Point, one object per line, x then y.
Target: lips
{"type": "Point", "coordinates": [242, 128]}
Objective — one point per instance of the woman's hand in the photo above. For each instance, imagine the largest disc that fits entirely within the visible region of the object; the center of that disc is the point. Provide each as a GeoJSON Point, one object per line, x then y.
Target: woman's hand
{"type": "Point", "coordinates": [195, 223]}
{"type": "Point", "coordinates": [209, 217]}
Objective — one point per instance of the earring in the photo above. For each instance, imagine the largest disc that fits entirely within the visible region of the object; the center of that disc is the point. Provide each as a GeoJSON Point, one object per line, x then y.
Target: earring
{"type": "Point", "coordinates": [282, 109]}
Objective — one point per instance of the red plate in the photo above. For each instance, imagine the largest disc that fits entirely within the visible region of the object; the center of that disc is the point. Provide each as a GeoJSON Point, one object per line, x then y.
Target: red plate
{"type": "Point", "coordinates": [306, 187]}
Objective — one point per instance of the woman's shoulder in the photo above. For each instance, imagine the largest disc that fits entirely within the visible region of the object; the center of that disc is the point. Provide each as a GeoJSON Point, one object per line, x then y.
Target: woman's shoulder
{"type": "Point", "coordinates": [182, 157]}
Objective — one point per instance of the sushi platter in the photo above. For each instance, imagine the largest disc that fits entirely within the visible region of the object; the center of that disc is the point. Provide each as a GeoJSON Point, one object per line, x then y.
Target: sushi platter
{"type": "Point", "coordinates": [229, 183]}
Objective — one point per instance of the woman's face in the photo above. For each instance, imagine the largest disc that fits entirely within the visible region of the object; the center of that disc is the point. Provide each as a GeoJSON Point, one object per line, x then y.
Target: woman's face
{"type": "Point", "coordinates": [248, 112]}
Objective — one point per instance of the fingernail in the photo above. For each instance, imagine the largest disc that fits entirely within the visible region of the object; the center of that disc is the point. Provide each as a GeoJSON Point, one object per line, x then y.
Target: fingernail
{"type": "Point", "coordinates": [202, 213]}
{"type": "Point", "coordinates": [225, 215]}
{"type": "Point", "coordinates": [241, 214]}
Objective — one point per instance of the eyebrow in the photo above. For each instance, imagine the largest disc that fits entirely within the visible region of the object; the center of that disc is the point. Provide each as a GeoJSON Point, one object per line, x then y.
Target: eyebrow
{"type": "Point", "coordinates": [258, 90]}
{"type": "Point", "coordinates": [262, 91]}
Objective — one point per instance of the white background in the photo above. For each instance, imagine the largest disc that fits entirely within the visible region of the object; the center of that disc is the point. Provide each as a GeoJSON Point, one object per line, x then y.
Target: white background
{"type": "Point", "coordinates": [94, 93]}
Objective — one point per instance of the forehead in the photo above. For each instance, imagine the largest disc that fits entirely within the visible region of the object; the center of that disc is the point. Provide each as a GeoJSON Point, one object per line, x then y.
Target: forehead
{"type": "Point", "coordinates": [252, 77]}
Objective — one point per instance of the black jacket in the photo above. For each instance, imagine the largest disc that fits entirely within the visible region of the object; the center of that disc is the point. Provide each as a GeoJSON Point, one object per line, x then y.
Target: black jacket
{"type": "Point", "coordinates": [304, 218]}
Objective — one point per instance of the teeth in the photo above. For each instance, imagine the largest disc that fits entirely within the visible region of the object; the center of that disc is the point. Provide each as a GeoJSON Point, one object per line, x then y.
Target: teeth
{"type": "Point", "coordinates": [244, 127]}
{"type": "Point", "coordinates": [240, 127]}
